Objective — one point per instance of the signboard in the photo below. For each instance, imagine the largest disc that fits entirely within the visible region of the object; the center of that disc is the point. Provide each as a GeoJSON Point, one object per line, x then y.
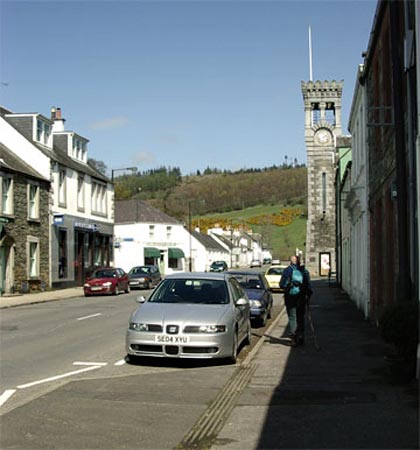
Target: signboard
{"type": "Point", "coordinates": [58, 219]}
{"type": "Point", "coordinates": [86, 226]}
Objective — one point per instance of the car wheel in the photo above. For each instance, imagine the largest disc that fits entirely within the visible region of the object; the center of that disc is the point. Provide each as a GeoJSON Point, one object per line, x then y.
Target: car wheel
{"type": "Point", "coordinates": [87, 295]}
{"type": "Point", "coordinates": [149, 285]}
{"type": "Point", "coordinates": [269, 315]}
{"type": "Point", "coordinates": [233, 358]}
{"type": "Point", "coordinates": [127, 291]}
{"type": "Point", "coordinates": [116, 291]}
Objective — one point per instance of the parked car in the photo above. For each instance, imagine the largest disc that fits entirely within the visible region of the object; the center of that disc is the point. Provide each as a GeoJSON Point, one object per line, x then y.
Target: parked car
{"type": "Point", "coordinates": [273, 276]}
{"type": "Point", "coordinates": [107, 280]}
{"type": "Point", "coordinates": [218, 266]}
{"type": "Point", "coordinates": [255, 263]}
{"type": "Point", "coordinates": [258, 292]}
{"type": "Point", "coordinates": [144, 277]}
{"type": "Point", "coordinates": [266, 261]}
{"type": "Point", "coordinates": [191, 315]}
{"type": "Point", "coordinates": [275, 262]}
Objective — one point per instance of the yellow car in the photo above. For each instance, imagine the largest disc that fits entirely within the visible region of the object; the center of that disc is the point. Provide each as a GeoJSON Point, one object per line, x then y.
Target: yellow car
{"type": "Point", "coordinates": [273, 276]}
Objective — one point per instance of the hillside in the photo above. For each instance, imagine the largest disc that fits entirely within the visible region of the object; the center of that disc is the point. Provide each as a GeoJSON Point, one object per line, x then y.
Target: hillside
{"type": "Point", "coordinates": [215, 191]}
{"type": "Point", "coordinates": [282, 227]}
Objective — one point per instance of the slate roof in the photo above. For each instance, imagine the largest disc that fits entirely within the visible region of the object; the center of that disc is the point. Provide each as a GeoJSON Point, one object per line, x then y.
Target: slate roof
{"type": "Point", "coordinates": [208, 242]}
{"type": "Point", "coordinates": [137, 211]}
{"type": "Point", "coordinates": [9, 160]}
{"type": "Point", "coordinates": [60, 156]}
{"type": "Point", "coordinates": [226, 241]}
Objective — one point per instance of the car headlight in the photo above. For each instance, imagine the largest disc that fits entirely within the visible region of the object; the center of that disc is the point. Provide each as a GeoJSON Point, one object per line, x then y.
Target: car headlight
{"type": "Point", "coordinates": [86, 285]}
{"type": "Point", "coordinates": [212, 329]}
{"type": "Point", "coordinates": [142, 280]}
{"type": "Point", "coordinates": [255, 303]}
{"type": "Point", "coordinates": [107, 284]}
{"type": "Point", "coordinates": [139, 326]}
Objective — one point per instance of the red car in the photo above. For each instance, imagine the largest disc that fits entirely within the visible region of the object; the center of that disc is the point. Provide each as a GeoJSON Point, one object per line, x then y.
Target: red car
{"type": "Point", "coordinates": [107, 280]}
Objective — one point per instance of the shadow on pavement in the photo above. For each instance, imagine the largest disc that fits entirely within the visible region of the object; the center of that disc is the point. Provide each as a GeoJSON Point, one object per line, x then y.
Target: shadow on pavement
{"type": "Point", "coordinates": [339, 397]}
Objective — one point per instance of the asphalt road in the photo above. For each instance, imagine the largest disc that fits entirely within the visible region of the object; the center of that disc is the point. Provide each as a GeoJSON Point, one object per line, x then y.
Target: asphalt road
{"type": "Point", "coordinates": [53, 348]}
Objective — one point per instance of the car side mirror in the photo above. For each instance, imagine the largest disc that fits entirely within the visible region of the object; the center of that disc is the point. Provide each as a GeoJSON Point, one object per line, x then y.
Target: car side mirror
{"type": "Point", "coordinates": [242, 302]}
{"type": "Point", "coordinates": [141, 299]}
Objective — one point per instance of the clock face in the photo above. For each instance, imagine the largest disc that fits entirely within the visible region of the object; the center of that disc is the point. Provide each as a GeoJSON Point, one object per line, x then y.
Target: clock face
{"type": "Point", "coordinates": [323, 137]}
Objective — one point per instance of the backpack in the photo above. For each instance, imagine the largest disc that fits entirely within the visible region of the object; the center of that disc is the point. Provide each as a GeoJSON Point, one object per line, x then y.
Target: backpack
{"type": "Point", "coordinates": [296, 282]}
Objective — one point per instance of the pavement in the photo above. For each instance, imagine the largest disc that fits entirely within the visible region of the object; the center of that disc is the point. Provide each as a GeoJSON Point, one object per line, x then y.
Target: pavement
{"type": "Point", "coordinates": [341, 396]}
{"type": "Point", "coordinates": [12, 300]}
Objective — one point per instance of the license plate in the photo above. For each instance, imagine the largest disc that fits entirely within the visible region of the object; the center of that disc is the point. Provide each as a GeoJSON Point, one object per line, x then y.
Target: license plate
{"type": "Point", "coordinates": [96, 288]}
{"type": "Point", "coordinates": [134, 282]}
{"type": "Point", "coordinates": [165, 339]}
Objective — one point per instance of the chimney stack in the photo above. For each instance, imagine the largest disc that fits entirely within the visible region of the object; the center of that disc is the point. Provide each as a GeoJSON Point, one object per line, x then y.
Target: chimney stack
{"type": "Point", "coordinates": [58, 124]}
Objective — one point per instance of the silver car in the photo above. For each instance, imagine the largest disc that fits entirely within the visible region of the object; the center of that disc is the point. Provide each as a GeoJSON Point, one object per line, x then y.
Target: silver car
{"type": "Point", "coordinates": [191, 315]}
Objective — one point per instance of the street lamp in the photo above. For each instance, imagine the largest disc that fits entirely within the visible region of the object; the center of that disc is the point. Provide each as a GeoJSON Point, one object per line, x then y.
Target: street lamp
{"type": "Point", "coordinates": [190, 230]}
{"type": "Point", "coordinates": [133, 169]}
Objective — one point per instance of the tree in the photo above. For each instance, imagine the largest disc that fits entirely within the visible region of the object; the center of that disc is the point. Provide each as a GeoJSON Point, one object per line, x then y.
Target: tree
{"type": "Point", "coordinates": [98, 165]}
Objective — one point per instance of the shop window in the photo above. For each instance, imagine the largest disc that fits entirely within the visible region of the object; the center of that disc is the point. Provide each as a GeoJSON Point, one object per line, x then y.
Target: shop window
{"type": "Point", "coordinates": [33, 257]}
{"type": "Point", "coordinates": [173, 263]}
{"type": "Point", "coordinates": [6, 195]}
{"type": "Point", "coordinates": [33, 201]}
{"type": "Point", "coordinates": [62, 254]}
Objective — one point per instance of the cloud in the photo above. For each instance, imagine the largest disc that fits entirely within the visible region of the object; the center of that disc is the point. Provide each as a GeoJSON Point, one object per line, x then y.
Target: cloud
{"type": "Point", "coordinates": [143, 157]}
{"type": "Point", "coordinates": [112, 122]}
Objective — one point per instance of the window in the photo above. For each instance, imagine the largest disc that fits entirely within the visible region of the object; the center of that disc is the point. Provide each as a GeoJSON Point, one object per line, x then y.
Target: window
{"type": "Point", "coordinates": [79, 149]}
{"type": "Point", "coordinates": [43, 131]}
{"type": "Point", "coordinates": [330, 113]}
{"type": "Point", "coordinates": [33, 257]}
{"type": "Point", "coordinates": [62, 194]}
{"type": "Point", "coordinates": [62, 253]}
{"type": "Point", "coordinates": [168, 232]}
{"type": "Point", "coordinates": [324, 192]}
{"type": "Point", "coordinates": [81, 192]}
{"type": "Point", "coordinates": [7, 195]}
{"type": "Point", "coordinates": [316, 114]}
{"type": "Point", "coordinates": [33, 201]}
{"type": "Point", "coordinates": [151, 231]}
{"type": "Point", "coordinates": [99, 204]}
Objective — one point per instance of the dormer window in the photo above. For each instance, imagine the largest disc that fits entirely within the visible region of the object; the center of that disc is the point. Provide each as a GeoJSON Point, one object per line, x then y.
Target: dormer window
{"type": "Point", "coordinates": [43, 132]}
{"type": "Point", "coordinates": [79, 149]}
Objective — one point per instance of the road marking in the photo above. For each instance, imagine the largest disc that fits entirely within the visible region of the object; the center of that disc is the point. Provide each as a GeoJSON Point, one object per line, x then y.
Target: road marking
{"type": "Point", "coordinates": [57, 377]}
{"type": "Point", "coordinates": [88, 317]}
{"type": "Point", "coordinates": [121, 362]}
{"type": "Point", "coordinates": [6, 395]}
{"type": "Point", "coordinates": [81, 363]}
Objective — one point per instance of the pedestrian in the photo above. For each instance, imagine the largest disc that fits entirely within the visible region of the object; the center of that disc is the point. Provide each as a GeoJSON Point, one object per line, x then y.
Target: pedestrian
{"type": "Point", "coordinates": [296, 284]}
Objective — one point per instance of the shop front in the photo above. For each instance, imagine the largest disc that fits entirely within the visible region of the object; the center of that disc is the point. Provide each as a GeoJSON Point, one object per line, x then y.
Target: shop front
{"type": "Point", "coordinates": [79, 246]}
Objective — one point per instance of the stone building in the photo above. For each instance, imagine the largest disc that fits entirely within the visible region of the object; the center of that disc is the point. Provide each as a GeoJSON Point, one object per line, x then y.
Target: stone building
{"type": "Point", "coordinates": [322, 102]}
{"type": "Point", "coordinates": [24, 224]}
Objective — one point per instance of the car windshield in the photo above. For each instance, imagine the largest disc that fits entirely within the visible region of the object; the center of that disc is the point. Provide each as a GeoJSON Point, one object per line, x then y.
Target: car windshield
{"type": "Point", "coordinates": [217, 264]}
{"type": "Point", "coordinates": [275, 271]}
{"type": "Point", "coordinates": [139, 270]}
{"type": "Point", "coordinates": [249, 282]}
{"type": "Point", "coordinates": [196, 291]}
{"type": "Point", "coordinates": [104, 273]}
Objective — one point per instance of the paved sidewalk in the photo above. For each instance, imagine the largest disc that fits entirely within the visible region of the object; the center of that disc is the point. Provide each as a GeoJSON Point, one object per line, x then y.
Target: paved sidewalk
{"type": "Point", "coordinates": [337, 398]}
{"type": "Point", "coordinates": [10, 301]}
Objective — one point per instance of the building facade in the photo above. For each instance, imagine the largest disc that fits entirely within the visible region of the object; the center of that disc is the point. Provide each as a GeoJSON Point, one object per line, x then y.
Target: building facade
{"type": "Point", "coordinates": [322, 103]}
{"type": "Point", "coordinates": [81, 198]}
{"type": "Point", "coordinates": [24, 225]}
{"type": "Point", "coordinates": [207, 250]}
{"type": "Point", "coordinates": [145, 235]}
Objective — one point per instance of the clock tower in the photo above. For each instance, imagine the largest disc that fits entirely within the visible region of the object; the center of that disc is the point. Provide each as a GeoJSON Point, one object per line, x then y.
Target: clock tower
{"type": "Point", "coordinates": [322, 102]}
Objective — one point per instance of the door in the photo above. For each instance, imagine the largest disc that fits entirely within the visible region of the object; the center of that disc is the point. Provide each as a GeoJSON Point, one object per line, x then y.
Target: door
{"type": "Point", "coordinates": [324, 264]}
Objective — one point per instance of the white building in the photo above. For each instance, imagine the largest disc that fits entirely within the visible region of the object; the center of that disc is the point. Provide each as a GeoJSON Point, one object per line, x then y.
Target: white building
{"type": "Point", "coordinates": [206, 250]}
{"type": "Point", "coordinates": [145, 235]}
{"type": "Point", "coordinates": [81, 197]}
{"type": "Point", "coordinates": [357, 200]}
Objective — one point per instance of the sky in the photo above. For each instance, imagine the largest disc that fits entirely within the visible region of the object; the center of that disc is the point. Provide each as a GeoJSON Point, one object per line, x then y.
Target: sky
{"type": "Point", "coordinates": [172, 83]}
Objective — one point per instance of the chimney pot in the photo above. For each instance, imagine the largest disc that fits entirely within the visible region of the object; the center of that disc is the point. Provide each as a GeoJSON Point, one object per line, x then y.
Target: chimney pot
{"type": "Point", "coordinates": [58, 113]}
{"type": "Point", "coordinates": [53, 113]}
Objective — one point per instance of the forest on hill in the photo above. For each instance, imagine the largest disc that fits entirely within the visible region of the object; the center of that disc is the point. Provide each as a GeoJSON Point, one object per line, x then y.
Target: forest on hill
{"type": "Point", "coordinates": [214, 191]}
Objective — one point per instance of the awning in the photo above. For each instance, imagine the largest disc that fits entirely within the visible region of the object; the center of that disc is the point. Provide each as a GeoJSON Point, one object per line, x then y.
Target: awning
{"type": "Point", "coordinates": [175, 253]}
{"type": "Point", "coordinates": [151, 252]}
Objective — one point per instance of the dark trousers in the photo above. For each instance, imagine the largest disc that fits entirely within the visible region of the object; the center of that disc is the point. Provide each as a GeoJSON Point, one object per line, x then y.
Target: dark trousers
{"type": "Point", "coordinates": [296, 307]}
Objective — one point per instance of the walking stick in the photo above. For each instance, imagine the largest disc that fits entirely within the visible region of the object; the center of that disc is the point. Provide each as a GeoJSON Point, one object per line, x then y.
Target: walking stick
{"type": "Point", "coordinates": [311, 324]}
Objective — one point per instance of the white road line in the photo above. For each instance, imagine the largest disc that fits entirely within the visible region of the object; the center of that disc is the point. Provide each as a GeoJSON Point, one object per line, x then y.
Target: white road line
{"type": "Point", "coordinates": [88, 317]}
{"type": "Point", "coordinates": [81, 363]}
{"type": "Point", "coordinates": [6, 395]}
{"type": "Point", "coordinates": [57, 377]}
{"type": "Point", "coordinates": [121, 362]}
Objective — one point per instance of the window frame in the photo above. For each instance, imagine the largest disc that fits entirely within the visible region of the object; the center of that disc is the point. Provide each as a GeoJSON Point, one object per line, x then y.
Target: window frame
{"type": "Point", "coordinates": [10, 198]}
{"type": "Point", "coordinates": [62, 170]}
{"type": "Point", "coordinates": [32, 240]}
{"type": "Point", "coordinates": [37, 215]}
{"type": "Point", "coordinates": [81, 193]}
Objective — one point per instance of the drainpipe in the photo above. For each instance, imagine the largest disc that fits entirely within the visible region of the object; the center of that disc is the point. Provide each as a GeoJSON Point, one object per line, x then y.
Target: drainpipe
{"type": "Point", "coordinates": [403, 280]}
